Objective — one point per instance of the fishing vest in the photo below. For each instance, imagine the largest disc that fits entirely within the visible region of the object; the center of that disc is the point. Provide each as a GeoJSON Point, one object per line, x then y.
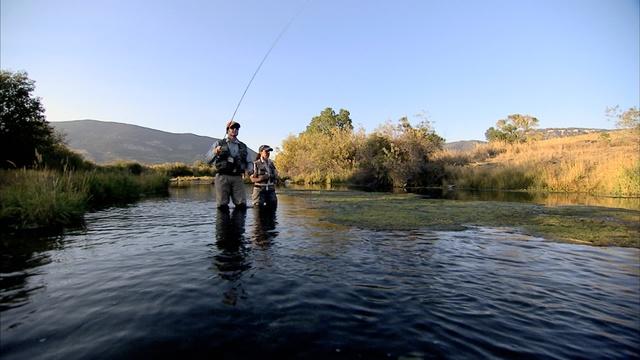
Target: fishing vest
{"type": "Point", "coordinates": [261, 168]}
{"type": "Point", "coordinates": [237, 165]}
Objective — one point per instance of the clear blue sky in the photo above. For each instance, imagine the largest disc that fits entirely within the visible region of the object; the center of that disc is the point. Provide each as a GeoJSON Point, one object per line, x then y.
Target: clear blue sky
{"type": "Point", "coordinates": [181, 66]}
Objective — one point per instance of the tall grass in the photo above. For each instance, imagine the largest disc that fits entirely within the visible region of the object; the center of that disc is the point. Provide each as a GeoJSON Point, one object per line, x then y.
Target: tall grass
{"type": "Point", "coordinates": [36, 199]}
{"type": "Point", "coordinates": [592, 163]}
{"type": "Point", "coordinates": [117, 187]}
{"type": "Point", "coordinates": [33, 199]}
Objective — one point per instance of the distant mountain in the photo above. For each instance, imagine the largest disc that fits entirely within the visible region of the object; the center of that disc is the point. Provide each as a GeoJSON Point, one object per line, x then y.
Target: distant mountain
{"type": "Point", "coordinates": [464, 145]}
{"type": "Point", "coordinates": [104, 142]}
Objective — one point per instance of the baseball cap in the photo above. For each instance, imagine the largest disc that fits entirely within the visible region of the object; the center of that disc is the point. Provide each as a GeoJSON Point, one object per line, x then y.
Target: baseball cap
{"type": "Point", "coordinates": [265, 147]}
{"type": "Point", "coordinates": [233, 124]}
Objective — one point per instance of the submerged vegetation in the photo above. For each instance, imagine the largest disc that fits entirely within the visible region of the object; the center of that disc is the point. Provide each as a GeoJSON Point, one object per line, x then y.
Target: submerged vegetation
{"type": "Point", "coordinates": [379, 211]}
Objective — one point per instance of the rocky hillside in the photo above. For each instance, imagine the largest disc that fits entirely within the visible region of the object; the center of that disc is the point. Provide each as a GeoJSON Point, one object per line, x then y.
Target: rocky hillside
{"type": "Point", "coordinates": [551, 133]}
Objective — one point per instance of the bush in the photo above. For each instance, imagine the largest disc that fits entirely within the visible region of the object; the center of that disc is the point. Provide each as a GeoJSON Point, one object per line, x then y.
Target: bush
{"type": "Point", "coordinates": [62, 158]}
{"type": "Point", "coordinates": [491, 178]}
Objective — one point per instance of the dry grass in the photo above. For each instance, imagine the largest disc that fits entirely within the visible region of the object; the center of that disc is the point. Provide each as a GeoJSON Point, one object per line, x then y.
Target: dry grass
{"type": "Point", "coordinates": [591, 163]}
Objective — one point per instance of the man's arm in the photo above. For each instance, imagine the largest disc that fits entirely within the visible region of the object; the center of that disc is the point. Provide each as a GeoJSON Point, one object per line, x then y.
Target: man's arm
{"type": "Point", "coordinates": [249, 165]}
{"type": "Point", "coordinates": [212, 154]}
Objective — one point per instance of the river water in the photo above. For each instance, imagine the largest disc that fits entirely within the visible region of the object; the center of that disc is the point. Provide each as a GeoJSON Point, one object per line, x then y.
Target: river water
{"type": "Point", "coordinates": [176, 278]}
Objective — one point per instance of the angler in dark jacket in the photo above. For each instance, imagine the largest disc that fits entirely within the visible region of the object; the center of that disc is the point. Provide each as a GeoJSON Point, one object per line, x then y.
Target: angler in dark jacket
{"type": "Point", "coordinates": [231, 160]}
{"type": "Point", "coordinates": [264, 178]}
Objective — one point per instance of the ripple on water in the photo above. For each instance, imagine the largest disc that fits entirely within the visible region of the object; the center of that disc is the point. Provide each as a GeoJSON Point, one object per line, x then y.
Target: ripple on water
{"type": "Point", "coordinates": [172, 278]}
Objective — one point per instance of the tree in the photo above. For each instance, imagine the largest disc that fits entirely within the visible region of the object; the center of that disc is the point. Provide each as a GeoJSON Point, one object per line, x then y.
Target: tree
{"type": "Point", "coordinates": [629, 119]}
{"type": "Point", "coordinates": [515, 128]}
{"type": "Point", "coordinates": [328, 120]}
{"type": "Point", "coordinates": [324, 152]}
{"type": "Point", "coordinates": [407, 157]}
{"type": "Point", "coordinates": [24, 131]}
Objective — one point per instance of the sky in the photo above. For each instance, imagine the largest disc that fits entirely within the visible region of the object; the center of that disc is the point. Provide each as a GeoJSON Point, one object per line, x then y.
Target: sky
{"type": "Point", "coordinates": [182, 66]}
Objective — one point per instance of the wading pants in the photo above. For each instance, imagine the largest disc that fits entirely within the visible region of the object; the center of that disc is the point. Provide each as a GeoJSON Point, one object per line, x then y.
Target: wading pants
{"type": "Point", "coordinates": [229, 186]}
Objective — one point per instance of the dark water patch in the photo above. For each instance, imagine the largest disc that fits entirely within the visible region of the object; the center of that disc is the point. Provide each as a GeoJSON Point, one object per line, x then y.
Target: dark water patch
{"type": "Point", "coordinates": [177, 278]}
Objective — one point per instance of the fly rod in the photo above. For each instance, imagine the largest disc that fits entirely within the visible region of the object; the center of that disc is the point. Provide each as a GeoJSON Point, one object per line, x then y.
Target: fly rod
{"type": "Point", "coordinates": [265, 58]}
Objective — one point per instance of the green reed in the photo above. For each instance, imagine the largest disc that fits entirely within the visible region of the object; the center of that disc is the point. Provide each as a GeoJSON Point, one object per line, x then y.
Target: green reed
{"type": "Point", "coordinates": [36, 199]}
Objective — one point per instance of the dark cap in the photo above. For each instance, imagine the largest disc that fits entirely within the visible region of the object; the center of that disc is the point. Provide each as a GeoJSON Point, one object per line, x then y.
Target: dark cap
{"type": "Point", "coordinates": [232, 124]}
{"type": "Point", "coordinates": [265, 147]}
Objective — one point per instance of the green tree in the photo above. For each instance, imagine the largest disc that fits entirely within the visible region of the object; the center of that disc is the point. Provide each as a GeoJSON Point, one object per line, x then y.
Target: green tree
{"type": "Point", "coordinates": [24, 132]}
{"type": "Point", "coordinates": [319, 157]}
{"type": "Point", "coordinates": [515, 128]}
{"type": "Point", "coordinates": [328, 120]}
{"type": "Point", "coordinates": [407, 158]}
{"type": "Point", "coordinates": [372, 172]}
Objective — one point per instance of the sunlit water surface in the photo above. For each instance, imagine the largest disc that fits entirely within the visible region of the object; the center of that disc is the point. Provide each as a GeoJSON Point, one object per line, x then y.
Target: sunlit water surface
{"type": "Point", "coordinates": [175, 278]}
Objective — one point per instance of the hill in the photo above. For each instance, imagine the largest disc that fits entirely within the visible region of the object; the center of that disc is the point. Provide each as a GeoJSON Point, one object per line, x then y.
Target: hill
{"type": "Point", "coordinates": [464, 145]}
{"type": "Point", "coordinates": [104, 142]}
{"type": "Point", "coordinates": [552, 133]}
{"type": "Point", "coordinates": [542, 134]}
{"type": "Point", "coordinates": [595, 162]}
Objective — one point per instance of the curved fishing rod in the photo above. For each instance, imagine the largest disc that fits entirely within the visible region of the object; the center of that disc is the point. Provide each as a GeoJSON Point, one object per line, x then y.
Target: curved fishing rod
{"type": "Point", "coordinates": [265, 57]}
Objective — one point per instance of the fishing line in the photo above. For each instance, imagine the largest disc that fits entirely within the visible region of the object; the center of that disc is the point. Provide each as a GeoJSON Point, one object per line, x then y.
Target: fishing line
{"type": "Point", "coordinates": [267, 55]}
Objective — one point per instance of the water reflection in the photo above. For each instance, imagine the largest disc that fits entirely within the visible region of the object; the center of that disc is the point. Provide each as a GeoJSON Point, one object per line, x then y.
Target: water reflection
{"type": "Point", "coordinates": [542, 198]}
{"type": "Point", "coordinates": [231, 259]}
{"type": "Point", "coordinates": [264, 226]}
{"type": "Point", "coordinates": [140, 282]}
{"type": "Point", "coordinates": [20, 257]}
{"type": "Point", "coordinates": [203, 192]}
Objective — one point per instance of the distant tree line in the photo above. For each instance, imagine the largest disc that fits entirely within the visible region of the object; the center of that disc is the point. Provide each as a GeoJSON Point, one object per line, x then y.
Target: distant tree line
{"type": "Point", "coordinates": [516, 128]}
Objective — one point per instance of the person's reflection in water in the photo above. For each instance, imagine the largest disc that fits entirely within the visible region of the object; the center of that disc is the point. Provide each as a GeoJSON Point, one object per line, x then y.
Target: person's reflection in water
{"type": "Point", "coordinates": [231, 259]}
{"type": "Point", "coordinates": [265, 225]}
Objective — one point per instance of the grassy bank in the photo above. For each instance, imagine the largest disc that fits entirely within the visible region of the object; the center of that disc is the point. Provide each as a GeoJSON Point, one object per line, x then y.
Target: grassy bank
{"type": "Point", "coordinates": [36, 199]}
{"type": "Point", "coordinates": [579, 224]}
{"type": "Point", "coordinates": [599, 163]}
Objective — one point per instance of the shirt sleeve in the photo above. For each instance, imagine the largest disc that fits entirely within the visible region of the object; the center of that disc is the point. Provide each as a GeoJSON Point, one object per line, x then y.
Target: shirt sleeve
{"type": "Point", "coordinates": [249, 164]}
{"type": "Point", "coordinates": [211, 156]}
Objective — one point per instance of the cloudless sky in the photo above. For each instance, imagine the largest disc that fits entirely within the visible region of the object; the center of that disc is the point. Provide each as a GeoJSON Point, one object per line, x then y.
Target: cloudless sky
{"type": "Point", "coordinates": [181, 66]}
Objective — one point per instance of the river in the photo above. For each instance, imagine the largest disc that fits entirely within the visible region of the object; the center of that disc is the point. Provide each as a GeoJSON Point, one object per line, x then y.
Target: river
{"type": "Point", "coordinates": [176, 278]}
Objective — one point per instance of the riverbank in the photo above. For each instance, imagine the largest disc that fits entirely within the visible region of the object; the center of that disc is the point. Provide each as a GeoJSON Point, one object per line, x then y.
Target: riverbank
{"type": "Point", "coordinates": [597, 226]}
{"type": "Point", "coordinates": [48, 199]}
{"type": "Point", "coordinates": [190, 180]}
{"type": "Point", "coordinates": [604, 163]}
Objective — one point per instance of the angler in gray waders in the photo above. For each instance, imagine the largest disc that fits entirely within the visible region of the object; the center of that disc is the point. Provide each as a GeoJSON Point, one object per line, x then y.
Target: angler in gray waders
{"type": "Point", "coordinates": [230, 157]}
{"type": "Point", "coordinates": [264, 178]}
